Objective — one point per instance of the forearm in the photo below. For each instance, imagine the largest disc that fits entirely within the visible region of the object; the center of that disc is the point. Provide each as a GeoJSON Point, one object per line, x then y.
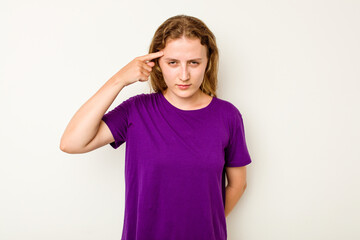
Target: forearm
{"type": "Point", "coordinates": [232, 196]}
{"type": "Point", "coordinates": [84, 125]}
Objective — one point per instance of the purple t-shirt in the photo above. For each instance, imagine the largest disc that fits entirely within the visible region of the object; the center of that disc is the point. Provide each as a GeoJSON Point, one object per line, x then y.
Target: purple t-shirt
{"type": "Point", "coordinates": [174, 166]}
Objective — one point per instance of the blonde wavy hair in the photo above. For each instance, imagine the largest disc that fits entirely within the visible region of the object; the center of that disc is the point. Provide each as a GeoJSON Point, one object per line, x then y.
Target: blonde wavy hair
{"type": "Point", "coordinates": [191, 27]}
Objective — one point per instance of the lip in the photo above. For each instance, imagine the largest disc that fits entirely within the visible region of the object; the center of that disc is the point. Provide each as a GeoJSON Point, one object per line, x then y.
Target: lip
{"type": "Point", "coordinates": [183, 86]}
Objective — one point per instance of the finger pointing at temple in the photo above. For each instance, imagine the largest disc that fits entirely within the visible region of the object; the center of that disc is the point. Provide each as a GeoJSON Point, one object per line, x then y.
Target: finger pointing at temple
{"type": "Point", "coordinates": [151, 56]}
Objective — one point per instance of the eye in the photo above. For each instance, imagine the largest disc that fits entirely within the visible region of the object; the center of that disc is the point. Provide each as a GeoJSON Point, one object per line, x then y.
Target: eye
{"type": "Point", "coordinates": [194, 62]}
{"type": "Point", "coordinates": [172, 63]}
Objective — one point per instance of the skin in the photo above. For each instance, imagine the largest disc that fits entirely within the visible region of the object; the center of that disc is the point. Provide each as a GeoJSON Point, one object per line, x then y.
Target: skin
{"type": "Point", "coordinates": [236, 177]}
{"type": "Point", "coordinates": [184, 62]}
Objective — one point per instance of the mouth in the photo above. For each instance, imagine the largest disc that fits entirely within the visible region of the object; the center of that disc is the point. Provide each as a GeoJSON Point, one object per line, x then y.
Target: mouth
{"type": "Point", "coordinates": [183, 86]}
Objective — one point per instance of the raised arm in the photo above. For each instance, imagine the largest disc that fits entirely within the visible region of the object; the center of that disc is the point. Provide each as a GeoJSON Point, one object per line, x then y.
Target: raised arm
{"type": "Point", "coordinates": [86, 131]}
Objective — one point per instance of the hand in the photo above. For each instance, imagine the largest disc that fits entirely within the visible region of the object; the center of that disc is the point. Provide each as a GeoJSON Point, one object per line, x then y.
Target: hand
{"type": "Point", "coordinates": [138, 69]}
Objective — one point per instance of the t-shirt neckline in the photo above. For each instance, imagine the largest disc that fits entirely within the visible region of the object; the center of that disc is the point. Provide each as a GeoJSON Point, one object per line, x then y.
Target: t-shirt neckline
{"type": "Point", "coordinates": [186, 111]}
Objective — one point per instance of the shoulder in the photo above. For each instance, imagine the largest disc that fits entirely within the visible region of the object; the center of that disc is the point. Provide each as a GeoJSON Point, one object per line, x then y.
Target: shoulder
{"type": "Point", "coordinates": [142, 100]}
{"type": "Point", "coordinates": [229, 109]}
{"type": "Point", "coordinates": [143, 97]}
{"type": "Point", "coordinates": [230, 114]}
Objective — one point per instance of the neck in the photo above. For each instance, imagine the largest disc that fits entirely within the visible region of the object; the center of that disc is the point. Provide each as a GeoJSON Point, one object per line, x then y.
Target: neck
{"type": "Point", "coordinates": [189, 103]}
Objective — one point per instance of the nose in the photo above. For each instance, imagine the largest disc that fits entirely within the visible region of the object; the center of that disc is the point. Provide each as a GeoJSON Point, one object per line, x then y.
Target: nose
{"type": "Point", "coordinates": [185, 74]}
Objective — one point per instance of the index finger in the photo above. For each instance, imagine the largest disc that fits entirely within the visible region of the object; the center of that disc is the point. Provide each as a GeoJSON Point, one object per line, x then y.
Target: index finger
{"type": "Point", "coordinates": [151, 56]}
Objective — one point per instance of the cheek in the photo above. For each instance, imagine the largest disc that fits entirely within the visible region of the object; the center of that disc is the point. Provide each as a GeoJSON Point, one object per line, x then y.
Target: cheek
{"type": "Point", "coordinates": [199, 71]}
{"type": "Point", "coordinates": [167, 71]}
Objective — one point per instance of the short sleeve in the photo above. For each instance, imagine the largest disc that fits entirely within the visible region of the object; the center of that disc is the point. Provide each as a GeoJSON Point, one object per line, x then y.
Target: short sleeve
{"type": "Point", "coordinates": [117, 120]}
{"type": "Point", "coordinates": [236, 152]}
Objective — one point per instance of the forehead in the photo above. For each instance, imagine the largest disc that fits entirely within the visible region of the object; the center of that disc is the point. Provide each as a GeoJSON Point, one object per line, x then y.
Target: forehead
{"type": "Point", "coordinates": [184, 48]}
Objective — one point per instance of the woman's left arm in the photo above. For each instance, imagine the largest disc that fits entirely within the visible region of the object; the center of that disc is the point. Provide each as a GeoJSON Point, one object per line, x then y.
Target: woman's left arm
{"type": "Point", "coordinates": [236, 177]}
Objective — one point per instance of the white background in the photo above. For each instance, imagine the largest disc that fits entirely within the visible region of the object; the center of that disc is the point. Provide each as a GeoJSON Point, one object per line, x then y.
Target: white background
{"type": "Point", "coordinates": [291, 68]}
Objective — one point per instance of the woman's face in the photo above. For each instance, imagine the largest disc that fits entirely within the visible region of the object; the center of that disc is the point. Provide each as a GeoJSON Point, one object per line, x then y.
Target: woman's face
{"type": "Point", "coordinates": [183, 63]}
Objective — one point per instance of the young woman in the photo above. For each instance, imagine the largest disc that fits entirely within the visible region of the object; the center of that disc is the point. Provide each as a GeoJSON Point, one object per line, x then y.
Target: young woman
{"type": "Point", "coordinates": [181, 140]}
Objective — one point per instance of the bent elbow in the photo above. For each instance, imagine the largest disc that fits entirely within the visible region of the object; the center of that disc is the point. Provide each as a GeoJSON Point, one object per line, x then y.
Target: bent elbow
{"type": "Point", "coordinates": [63, 148]}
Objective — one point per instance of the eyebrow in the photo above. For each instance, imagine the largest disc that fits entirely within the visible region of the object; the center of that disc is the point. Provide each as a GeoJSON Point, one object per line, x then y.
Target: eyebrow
{"type": "Point", "coordinates": [173, 59]}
